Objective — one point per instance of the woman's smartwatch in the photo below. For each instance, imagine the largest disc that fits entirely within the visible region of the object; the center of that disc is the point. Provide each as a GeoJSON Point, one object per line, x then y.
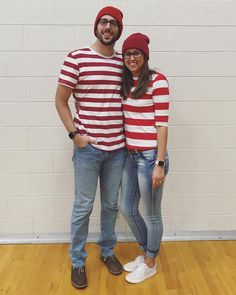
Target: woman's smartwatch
{"type": "Point", "coordinates": [160, 163]}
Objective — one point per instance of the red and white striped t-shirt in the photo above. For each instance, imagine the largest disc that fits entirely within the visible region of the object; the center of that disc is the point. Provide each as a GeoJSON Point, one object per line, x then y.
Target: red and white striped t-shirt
{"type": "Point", "coordinates": [142, 115]}
{"type": "Point", "coordinates": [96, 82]}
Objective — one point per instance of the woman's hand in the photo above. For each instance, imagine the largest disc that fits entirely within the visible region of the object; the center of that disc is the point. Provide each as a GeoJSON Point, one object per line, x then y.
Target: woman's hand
{"type": "Point", "coordinates": [158, 176]}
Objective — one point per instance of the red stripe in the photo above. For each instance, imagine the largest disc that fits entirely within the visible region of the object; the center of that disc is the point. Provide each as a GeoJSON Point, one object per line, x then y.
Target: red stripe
{"type": "Point", "coordinates": [99, 91]}
{"type": "Point", "coordinates": [99, 100]}
{"type": "Point", "coordinates": [111, 143]}
{"type": "Point", "coordinates": [138, 109]}
{"type": "Point", "coordinates": [100, 73]}
{"type": "Point", "coordinates": [160, 77]}
{"type": "Point", "coordinates": [143, 136]}
{"type": "Point", "coordinates": [161, 119]}
{"type": "Point", "coordinates": [99, 82]}
{"type": "Point", "coordinates": [139, 122]}
{"type": "Point", "coordinates": [100, 118]}
{"type": "Point", "coordinates": [62, 81]}
{"type": "Point", "coordinates": [145, 96]}
{"type": "Point", "coordinates": [106, 135]}
{"type": "Point", "coordinates": [162, 106]}
{"type": "Point", "coordinates": [70, 65]}
{"type": "Point", "coordinates": [99, 64]}
{"type": "Point", "coordinates": [92, 126]}
{"type": "Point", "coordinates": [100, 109]}
{"type": "Point", "coordinates": [66, 73]}
{"type": "Point", "coordinates": [161, 91]}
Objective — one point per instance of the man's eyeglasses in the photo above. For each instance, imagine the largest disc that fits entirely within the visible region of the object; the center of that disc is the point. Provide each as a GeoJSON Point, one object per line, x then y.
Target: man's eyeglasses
{"type": "Point", "coordinates": [103, 22]}
{"type": "Point", "coordinates": [136, 54]}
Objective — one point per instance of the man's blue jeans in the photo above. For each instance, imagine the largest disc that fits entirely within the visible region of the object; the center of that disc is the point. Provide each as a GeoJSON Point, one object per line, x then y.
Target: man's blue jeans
{"type": "Point", "coordinates": [136, 185]}
{"type": "Point", "coordinates": [91, 164]}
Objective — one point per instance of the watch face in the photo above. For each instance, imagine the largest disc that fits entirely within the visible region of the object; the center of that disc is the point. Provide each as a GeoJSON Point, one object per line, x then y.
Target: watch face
{"type": "Point", "coordinates": [73, 134]}
{"type": "Point", "coordinates": [161, 163]}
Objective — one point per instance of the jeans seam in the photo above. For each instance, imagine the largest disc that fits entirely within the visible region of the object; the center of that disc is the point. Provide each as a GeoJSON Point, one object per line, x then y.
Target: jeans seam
{"type": "Point", "coordinates": [134, 221]}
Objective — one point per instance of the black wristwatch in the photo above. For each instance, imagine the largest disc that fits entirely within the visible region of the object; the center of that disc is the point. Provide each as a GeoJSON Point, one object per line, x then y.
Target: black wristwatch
{"type": "Point", "coordinates": [160, 163]}
{"type": "Point", "coordinates": [73, 134]}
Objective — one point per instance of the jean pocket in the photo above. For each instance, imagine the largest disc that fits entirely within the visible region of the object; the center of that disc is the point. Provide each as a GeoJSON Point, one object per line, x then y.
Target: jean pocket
{"type": "Point", "coordinates": [167, 163]}
{"type": "Point", "coordinates": [149, 156]}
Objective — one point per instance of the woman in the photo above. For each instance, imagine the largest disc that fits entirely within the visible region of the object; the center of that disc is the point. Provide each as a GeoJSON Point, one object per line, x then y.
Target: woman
{"type": "Point", "coordinates": [145, 106]}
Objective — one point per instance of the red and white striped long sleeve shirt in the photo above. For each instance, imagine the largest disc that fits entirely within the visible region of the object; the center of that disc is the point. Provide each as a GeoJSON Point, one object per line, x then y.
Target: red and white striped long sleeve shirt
{"type": "Point", "coordinates": [144, 114]}
{"type": "Point", "coordinates": [96, 82]}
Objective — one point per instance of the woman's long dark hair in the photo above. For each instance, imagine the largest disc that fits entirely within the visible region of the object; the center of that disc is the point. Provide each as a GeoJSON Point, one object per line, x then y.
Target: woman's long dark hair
{"type": "Point", "coordinates": [143, 81]}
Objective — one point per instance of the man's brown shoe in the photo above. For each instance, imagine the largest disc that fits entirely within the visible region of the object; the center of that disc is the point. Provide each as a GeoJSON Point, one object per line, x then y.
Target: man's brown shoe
{"type": "Point", "coordinates": [113, 264]}
{"type": "Point", "coordinates": [78, 277]}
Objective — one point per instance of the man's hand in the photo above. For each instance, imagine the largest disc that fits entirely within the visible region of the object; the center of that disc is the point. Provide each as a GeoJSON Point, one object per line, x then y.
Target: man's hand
{"type": "Point", "coordinates": [81, 140]}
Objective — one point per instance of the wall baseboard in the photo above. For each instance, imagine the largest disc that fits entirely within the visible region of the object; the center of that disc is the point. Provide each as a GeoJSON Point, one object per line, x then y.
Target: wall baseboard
{"type": "Point", "coordinates": [121, 237]}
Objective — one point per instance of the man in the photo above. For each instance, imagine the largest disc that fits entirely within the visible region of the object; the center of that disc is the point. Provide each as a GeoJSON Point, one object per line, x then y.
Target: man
{"type": "Point", "coordinates": [93, 75]}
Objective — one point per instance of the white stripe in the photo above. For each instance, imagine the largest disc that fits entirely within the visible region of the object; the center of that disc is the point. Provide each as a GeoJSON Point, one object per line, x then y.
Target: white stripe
{"type": "Point", "coordinates": [161, 98]}
{"type": "Point", "coordinates": [97, 95]}
{"type": "Point", "coordinates": [97, 69]}
{"type": "Point", "coordinates": [110, 139]}
{"type": "Point", "coordinates": [98, 123]}
{"type": "Point", "coordinates": [96, 59]}
{"type": "Point", "coordinates": [100, 87]}
{"type": "Point", "coordinates": [70, 70]}
{"type": "Point", "coordinates": [71, 60]}
{"type": "Point", "coordinates": [160, 84]}
{"type": "Point", "coordinates": [161, 112]}
{"type": "Point", "coordinates": [141, 143]}
{"type": "Point", "coordinates": [138, 102]}
{"type": "Point", "coordinates": [138, 116]}
{"type": "Point", "coordinates": [104, 131]}
{"type": "Point", "coordinates": [98, 77]}
{"type": "Point", "coordinates": [136, 129]}
{"type": "Point", "coordinates": [100, 114]}
{"type": "Point", "coordinates": [98, 104]}
{"type": "Point", "coordinates": [109, 148]}
{"type": "Point", "coordinates": [67, 78]}
{"type": "Point", "coordinates": [161, 124]}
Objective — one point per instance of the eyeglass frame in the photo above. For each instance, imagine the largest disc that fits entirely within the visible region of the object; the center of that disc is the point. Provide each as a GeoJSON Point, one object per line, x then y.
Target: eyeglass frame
{"type": "Point", "coordinates": [135, 54]}
{"type": "Point", "coordinates": [113, 23]}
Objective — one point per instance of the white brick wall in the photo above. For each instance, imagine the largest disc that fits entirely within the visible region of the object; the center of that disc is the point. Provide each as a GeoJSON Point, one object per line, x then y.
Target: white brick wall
{"type": "Point", "coordinates": [192, 42]}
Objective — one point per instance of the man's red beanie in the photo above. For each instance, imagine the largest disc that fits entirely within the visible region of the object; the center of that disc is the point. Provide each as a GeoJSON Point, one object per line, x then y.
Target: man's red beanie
{"type": "Point", "coordinates": [137, 41]}
{"type": "Point", "coordinates": [114, 12]}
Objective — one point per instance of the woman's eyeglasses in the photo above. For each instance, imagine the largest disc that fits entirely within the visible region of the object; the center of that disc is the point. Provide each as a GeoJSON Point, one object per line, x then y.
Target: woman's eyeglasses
{"type": "Point", "coordinates": [103, 22]}
{"type": "Point", "coordinates": [136, 54]}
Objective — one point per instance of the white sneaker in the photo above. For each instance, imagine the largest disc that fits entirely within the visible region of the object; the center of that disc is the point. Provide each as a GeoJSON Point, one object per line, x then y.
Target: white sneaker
{"type": "Point", "coordinates": [141, 273]}
{"type": "Point", "coordinates": [131, 266]}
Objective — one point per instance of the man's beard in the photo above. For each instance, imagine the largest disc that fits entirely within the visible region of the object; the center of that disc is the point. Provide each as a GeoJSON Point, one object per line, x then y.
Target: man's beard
{"type": "Point", "coordinates": [107, 43]}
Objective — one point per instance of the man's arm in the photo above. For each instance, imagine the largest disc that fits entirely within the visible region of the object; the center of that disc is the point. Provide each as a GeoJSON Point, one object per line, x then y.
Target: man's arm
{"type": "Point", "coordinates": [63, 94]}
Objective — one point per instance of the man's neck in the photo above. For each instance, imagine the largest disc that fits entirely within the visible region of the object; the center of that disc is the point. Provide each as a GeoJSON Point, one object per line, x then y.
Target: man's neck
{"type": "Point", "coordinates": [103, 49]}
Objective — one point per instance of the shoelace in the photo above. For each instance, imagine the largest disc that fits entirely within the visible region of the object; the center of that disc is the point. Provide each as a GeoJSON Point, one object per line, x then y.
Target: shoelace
{"type": "Point", "coordinates": [141, 268]}
{"type": "Point", "coordinates": [112, 257]}
{"type": "Point", "coordinates": [139, 259]}
{"type": "Point", "coordinates": [80, 269]}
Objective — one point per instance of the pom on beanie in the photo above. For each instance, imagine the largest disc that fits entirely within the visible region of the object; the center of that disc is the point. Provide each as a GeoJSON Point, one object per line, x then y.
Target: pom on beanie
{"type": "Point", "coordinates": [137, 41]}
{"type": "Point", "coordinates": [114, 12]}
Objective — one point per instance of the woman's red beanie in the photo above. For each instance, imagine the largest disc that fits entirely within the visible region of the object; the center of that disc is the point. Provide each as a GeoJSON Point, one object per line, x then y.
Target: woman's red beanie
{"type": "Point", "coordinates": [114, 12]}
{"type": "Point", "coordinates": [137, 41]}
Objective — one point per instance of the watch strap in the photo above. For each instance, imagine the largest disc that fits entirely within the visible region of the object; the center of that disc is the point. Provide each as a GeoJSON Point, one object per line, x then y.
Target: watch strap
{"type": "Point", "coordinates": [160, 163]}
{"type": "Point", "coordinates": [73, 134]}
